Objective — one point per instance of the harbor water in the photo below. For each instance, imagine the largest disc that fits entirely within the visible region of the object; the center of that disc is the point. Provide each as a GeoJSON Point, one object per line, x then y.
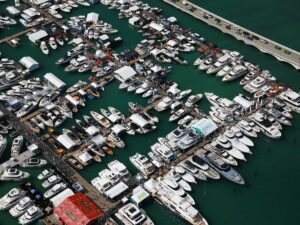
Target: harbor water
{"type": "Point", "coordinates": [271, 194]}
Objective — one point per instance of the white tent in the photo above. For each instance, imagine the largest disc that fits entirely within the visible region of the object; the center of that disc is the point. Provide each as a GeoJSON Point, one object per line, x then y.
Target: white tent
{"type": "Point", "coordinates": [29, 63]}
{"type": "Point", "coordinates": [138, 120]}
{"type": "Point", "coordinates": [204, 127]}
{"type": "Point", "coordinates": [124, 73]}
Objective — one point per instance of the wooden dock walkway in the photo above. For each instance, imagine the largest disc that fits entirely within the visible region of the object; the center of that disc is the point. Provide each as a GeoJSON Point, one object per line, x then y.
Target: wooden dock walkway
{"type": "Point", "coordinates": [265, 45]}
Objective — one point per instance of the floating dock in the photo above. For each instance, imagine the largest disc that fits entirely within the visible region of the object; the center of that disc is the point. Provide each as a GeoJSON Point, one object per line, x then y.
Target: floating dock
{"type": "Point", "coordinates": [265, 45]}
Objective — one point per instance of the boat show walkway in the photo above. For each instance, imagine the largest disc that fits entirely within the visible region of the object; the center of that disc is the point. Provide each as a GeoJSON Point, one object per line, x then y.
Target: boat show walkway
{"type": "Point", "coordinates": [265, 45]}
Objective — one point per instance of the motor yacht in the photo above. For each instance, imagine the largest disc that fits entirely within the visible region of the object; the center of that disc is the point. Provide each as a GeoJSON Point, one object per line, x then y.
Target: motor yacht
{"type": "Point", "coordinates": [225, 156]}
{"type": "Point", "coordinates": [5, 20]}
{"type": "Point", "coordinates": [178, 114]}
{"type": "Point", "coordinates": [185, 175]}
{"type": "Point", "coordinates": [142, 163]}
{"type": "Point", "coordinates": [118, 168]}
{"type": "Point", "coordinates": [245, 128]}
{"type": "Point", "coordinates": [221, 167]}
{"type": "Point", "coordinates": [76, 63]}
{"type": "Point", "coordinates": [34, 162]}
{"type": "Point", "coordinates": [72, 136]}
{"type": "Point", "coordinates": [20, 208]}
{"type": "Point", "coordinates": [226, 69]}
{"type": "Point", "coordinates": [130, 214]}
{"type": "Point", "coordinates": [100, 119]}
{"type": "Point", "coordinates": [188, 140]}
{"type": "Point", "coordinates": [101, 184]}
{"type": "Point", "coordinates": [52, 43]}
{"type": "Point", "coordinates": [193, 99]}
{"type": "Point", "coordinates": [13, 174]}
{"type": "Point", "coordinates": [166, 153]}
{"type": "Point", "coordinates": [45, 100]}
{"type": "Point", "coordinates": [225, 144]}
{"type": "Point", "coordinates": [45, 174]}
{"type": "Point", "coordinates": [230, 136]}
{"type": "Point", "coordinates": [32, 214]}
{"type": "Point", "coordinates": [3, 143]}
{"type": "Point", "coordinates": [11, 198]}
{"type": "Point", "coordinates": [204, 167]}
{"type": "Point", "coordinates": [44, 48]}
{"type": "Point", "coordinates": [182, 94]}
{"type": "Point", "coordinates": [219, 64]}
{"type": "Point", "coordinates": [193, 170]}
{"type": "Point", "coordinates": [172, 185]}
{"type": "Point", "coordinates": [178, 133]}
{"type": "Point", "coordinates": [112, 176]}
{"type": "Point", "coordinates": [27, 108]}
{"type": "Point", "coordinates": [51, 181]}
{"type": "Point", "coordinates": [71, 54]}
{"type": "Point", "coordinates": [164, 104]}
{"type": "Point", "coordinates": [185, 120]}
{"type": "Point", "coordinates": [236, 72]}
{"type": "Point", "coordinates": [242, 138]}
{"type": "Point", "coordinates": [55, 190]}
{"type": "Point", "coordinates": [116, 139]}
{"type": "Point", "coordinates": [176, 177]}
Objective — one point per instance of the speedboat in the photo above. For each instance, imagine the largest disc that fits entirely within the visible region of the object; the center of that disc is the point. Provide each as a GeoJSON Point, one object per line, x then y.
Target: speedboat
{"type": "Point", "coordinates": [21, 207]}
{"type": "Point", "coordinates": [44, 48]}
{"type": "Point", "coordinates": [116, 112]}
{"type": "Point", "coordinates": [11, 198]}
{"type": "Point", "coordinates": [32, 214]}
{"type": "Point", "coordinates": [33, 162]}
{"type": "Point", "coordinates": [45, 174]}
{"type": "Point", "coordinates": [116, 139]}
{"type": "Point", "coordinates": [130, 214]}
{"type": "Point", "coordinates": [55, 189]}
{"type": "Point", "coordinates": [13, 174]}
{"type": "Point", "coordinates": [142, 163]}
{"type": "Point", "coordinates": [100, 119]}
{"type": "Point", "coordinates": [221, 167]}
{"type": "Point", "coordinates": [51, 181]}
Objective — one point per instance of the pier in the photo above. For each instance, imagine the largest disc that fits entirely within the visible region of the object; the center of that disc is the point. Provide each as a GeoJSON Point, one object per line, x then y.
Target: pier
{"type": "Point", "coordinates": [265, 45]}
{"type": "Point", "coordinates": [67, 171]}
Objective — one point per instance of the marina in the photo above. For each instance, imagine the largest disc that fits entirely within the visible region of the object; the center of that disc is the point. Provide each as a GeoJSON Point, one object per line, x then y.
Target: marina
{"type": "Point", "coordinates": [88, 135]}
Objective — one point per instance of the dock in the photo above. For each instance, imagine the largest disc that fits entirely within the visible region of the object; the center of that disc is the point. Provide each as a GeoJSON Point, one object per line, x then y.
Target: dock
{"type": "Point", "coordinates": [66, 170]}
{"type": "Point", "coordinates": [265, 45]}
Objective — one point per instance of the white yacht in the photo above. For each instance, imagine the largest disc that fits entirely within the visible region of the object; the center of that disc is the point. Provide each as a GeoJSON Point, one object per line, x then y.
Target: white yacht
{"type": "Point", "coordinates": [222, 153]}
{"type": "Point", "coordinates": [172, 186]}
{"type": "Point", "coordinates": [230, 136]}
{"type": "Point", "coordinates": [185, 176]}
{"type": "Point", "coordinates": [245, 127]}
{"type": "Point", "coordinates": [193, 170]}
{"type": "Point", "coordinates": [217, 66]}
{"type": "Point", "coordinates": [178, 133]}
{"type": "Point", "coordinates": [27, 108]}
{"type": "Point", "coordinates": [11, 198]}
{"type": "Point", "coordinates": [52, 43]}
{"type": "Point", "coordinates": [226, 69]}
{"type": "Point", "coordinates": [17, 145]}
{"type": "Point", "coordinates": [193, 99]}
{"type": "Point", "coordinates": [34, 162]}
{"type": "Point", "coordinates": [156, 159]}
{"type": "Point", "coordinates": [204, 167]}
{"type": "Point", "coordinates": [237, 72]}
{"type": "Point", "coordinates": [223, 143]}
{"type": "Point", "coordinates": [101, 184]}
{"type": "Point", "coordinates": [13, 174]}
{"type": "Point", "coordinates": [221, 102]}
{"type": "Point", "coordinates": [242, 138]}
{"type": "Point", "coordinates": [32, 214]}
{"type": "Point", "coordinates": [166, 153]}
{"type": "Point", "coordinates": [3, 142]}
{"type": "Point", "coordinates": [176, 177]}
{"type": "Point", "coordinates": [55, 189]}
{"type": "Point", "coordinates": [44, 48]}
{"type": "Point", "coordinates": [164, 104]}
{"type": "Point", "coordinates": [45, 174]}
{"type": "Point", "coordinates": [21, 207]}
{"type": "Point", "coordinates": [130, 214]}
{"type": "Point", "coordinates": [51, 181]}
{"type": "Point", "coordinates": [118, 168]}
{"type": "Point", "coordinates": [142, 163]}
{"type": "Point", "coordinates": [292, 99]}
{"type": "Point", "coordinates": [113, 177]}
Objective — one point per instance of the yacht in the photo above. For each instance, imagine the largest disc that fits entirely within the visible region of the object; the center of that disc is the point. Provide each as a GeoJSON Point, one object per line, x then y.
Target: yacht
{"type": "Point", "coordinates": [112, 176]}
{"type": "Point", "coordinates": [151, 117]}
{"type": "Point", "coordinates": [249, 78]}
{"type": "Point", "coordinates": [219, 64]}
{"type": "Point", "coordinates": [221, 167]}
{"type": "Point", "coordinates": [255, 85]}
{"type": "Point", "coordinates": [237, 72]}
{"type": "Point", "coordinates": [17, 145]}
{"type": "Point", "coordinates": [182, 94]}
{"type": "Point", "coordinates": [142, 163]}
{"type": "Point", "coordinates": [223, 103]}
{"type": "Point", "coordinates": [185, 120]}
{"type": "Point", "coordinates": [21, 207]}
{"type": "Point", "coordinates": [32, 214]}
{"type": "Point", "coordinates": [71, 54]}
{"type": "Point", "coordinates": [165, 152]}
{"type": "Point", "coordinates": [193, 99]}
{"type": "Point", "coordinates": [207, 63]}
{"type": "Point", "coordinates": [265, 126]}
{"type": "Point", "coordinates": [55, 190]}
{"type": "Point", "coordinates": [11, 198]}
{"type": "Point", "coordinates": [3, 142]}
{"type": "Point", "coordinates": [117, 112]}
{"type": "Point", "coordinates": [76, 63]}
{"type": "Point", "coordinates": [44, 48]}
{"type": "Point", "coordinates": [193, 170]}
{"type": "Point", "coordinates": [27, 108]}
{"type": "Point", "coordinates": [33, 162]}
{"type": "Point", "coordinates": [52, 43]}
{"type": "Point", "coordinates": [100, 119]}
{"type": "Point", "coordinates": [225, 156]}
{"type": "Point", "coordinates": [178, 114]}
{"type": "Point", "coordinates": [118, 168]}
{"type": "Point", "coordinates": [130, 214]}
{"type": "Point", "coordinates": [172, 186]}
{"type": "Point", "coordinates": [178, 133]}
{"type": "Point", "coordinates": [230, 136]}
{"type": "Point", "coordinates": [245, 128]}
{"type": "Point", "coordinates": [5, 20]}
{"type": "Point", "coordinates": [242, 138]}
{"type": "Point", "coordinates": [223, 143]}
{"type": "Point", "coordinates": [51, 181]}
{"type": "Point", "coordinates": [116, 139]}
{"type": "Point", "coordinates": [101, 184]}
{"type": "Point", "coordinates": [164, 104]}
{"type": "Point", "coordinates": [204, 167]}
{"type": "Point", "coordinates": [48, 98]}
{"type": "Point", "coordinates": [176, 177]}
{"type": "Point", "coordinates": [45, 174]}
{"type": "Point", "coordinates": [156, 159]}
{"type": "Point", "coordinates": [226, 69]}
{"type": "Point", "coordinates": [184, 174]}
{"type": "Point", "coordinates": [188, 140]}
{"type": "Point", "coordinates": [13, 174]}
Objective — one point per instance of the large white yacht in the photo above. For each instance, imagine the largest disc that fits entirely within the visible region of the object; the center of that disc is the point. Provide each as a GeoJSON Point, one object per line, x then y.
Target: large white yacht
{"type": "Point", "coordinates": [142, 163]}
{"type": "Point", "coordinates": [166, 153]}
{"type": "Point", "coordinates": [16, 145]}
{"type": "Point", "coordinates": [21, 207]}
{"type": "Point", "coordinates": [55, 189]}
{"type": "Point", "coordinates": [119, 168]}
{"type": "Point", "coordinates": [32, 214]}
{"type": "Point", "coordinates": [52, 180]}
{"type": "Point", "coordinates": [164, 104]}
{"type": "Point", "coordinates": [13, 174]}
{"type": "Point", "coordinates": [237, 72]}
{"type": "Point", "coordinates": [101, 184]}
{"type": "Point", "coordinates": [130, 214]}
{"type": "Point", "coordinates": [292, 99]}
{"type": "Point", "coordinates": [221, 62]}
{"type": "Point", "coordinates": [11, 198]}
{"type": "Point", "coordinates": [113, 177]}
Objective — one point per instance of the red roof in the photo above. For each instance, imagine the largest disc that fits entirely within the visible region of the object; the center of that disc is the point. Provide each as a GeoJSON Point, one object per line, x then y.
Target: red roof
{"type": "Point", "coordinates": [78, 209]}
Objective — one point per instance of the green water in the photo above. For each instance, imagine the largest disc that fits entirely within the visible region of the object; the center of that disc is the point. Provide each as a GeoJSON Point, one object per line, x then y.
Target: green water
{"type": "Point", "coordinates": [271, 193]}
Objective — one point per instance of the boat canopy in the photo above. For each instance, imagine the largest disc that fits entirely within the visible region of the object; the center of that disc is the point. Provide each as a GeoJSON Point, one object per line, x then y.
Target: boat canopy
{"type": "Point", "coordinates": [116, 190]}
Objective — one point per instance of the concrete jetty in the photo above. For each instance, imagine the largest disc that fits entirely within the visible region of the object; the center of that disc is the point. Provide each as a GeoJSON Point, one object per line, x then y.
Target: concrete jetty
{"type": "Point", "coordinates": [265, 45]}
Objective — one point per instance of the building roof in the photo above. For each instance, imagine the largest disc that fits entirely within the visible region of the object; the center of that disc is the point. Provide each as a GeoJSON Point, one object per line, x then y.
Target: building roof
{"type": "Point", "coordinates": [36, 36]}
{"type": "Point", "coordinates": [124, 73]}
{"type": "Point", "coordinates": [78, 209]}
{"type": "Point", "coordinates": [29, 63]}
{"type": "Point", "coordinates": [204, 127]}
{"type": "Point", "coordinates": [54, 80]}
